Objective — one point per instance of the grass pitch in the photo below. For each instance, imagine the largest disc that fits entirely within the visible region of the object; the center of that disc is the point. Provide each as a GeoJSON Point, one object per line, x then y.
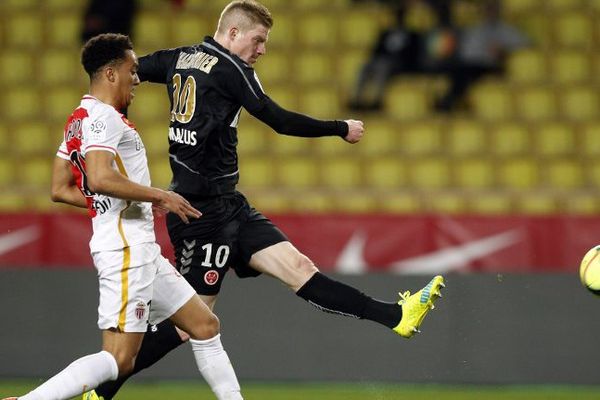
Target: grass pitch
{"type": "Point", "coordinates": [336, 391]}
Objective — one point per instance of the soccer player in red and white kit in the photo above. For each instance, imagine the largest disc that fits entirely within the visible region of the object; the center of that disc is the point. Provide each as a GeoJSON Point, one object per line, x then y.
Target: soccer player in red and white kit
{"type": "Point", "coordinates": [101, 164]}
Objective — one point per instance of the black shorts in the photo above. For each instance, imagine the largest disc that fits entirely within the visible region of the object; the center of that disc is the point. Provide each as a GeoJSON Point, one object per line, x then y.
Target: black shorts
{"type": "Point", "coordinates": [227, 234]}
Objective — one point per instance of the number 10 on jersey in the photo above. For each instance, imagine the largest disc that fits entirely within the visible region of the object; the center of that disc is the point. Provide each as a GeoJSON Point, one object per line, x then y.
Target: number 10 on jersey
{"type": "Point", "coordinates": [184, 99]}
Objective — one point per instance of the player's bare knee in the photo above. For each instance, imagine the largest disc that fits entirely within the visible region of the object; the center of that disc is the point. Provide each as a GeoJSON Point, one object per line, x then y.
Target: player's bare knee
{"type": "Point", "coordinates": [304, 270]}
{"type": "Point", "coordinates": [306, 267]}
{"type": "Point", "coordinates": [208, 328]}
{"type": "Point", "coordinates": [211, 327]}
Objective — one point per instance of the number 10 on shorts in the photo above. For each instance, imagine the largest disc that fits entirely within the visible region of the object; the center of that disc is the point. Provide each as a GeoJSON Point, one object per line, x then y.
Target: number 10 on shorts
{"type": "Point", "coordinates": [220, 258]}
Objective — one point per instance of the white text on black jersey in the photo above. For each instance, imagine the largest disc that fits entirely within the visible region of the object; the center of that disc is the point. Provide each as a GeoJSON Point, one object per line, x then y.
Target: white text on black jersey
{"type": "Point", "coordinates": [202, 61]}
{"type": "Point", "coordinates": [182, 136]}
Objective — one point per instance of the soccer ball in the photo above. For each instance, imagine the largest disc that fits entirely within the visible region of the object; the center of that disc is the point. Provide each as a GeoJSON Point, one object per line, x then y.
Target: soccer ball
{"type": "Point", "coordinates": [589, 270]}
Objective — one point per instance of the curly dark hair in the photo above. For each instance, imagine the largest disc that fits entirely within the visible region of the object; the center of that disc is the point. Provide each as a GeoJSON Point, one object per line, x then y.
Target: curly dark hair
{"type": "Point", "coordinates": [104, 49]}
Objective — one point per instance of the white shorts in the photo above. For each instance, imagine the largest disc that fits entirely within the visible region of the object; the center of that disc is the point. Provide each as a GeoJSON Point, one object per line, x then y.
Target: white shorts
{"type": "Point", "coordinates": [138, 286]}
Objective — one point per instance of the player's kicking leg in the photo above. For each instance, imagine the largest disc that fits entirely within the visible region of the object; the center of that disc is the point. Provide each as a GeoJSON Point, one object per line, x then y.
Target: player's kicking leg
{"type": "Point", "coordinates": [286, 263]}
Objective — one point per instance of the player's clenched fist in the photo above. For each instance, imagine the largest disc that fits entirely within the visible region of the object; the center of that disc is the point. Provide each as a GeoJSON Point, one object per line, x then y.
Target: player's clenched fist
{"type": "Point", "coordinates": [355, 131]}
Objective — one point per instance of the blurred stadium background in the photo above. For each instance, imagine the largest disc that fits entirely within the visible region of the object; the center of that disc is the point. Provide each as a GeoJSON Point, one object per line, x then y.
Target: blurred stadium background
{"type": "Point", "coordinates": [524, 159]}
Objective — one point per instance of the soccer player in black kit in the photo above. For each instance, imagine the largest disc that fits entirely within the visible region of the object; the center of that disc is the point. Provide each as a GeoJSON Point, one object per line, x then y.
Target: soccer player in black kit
{"type": "Point", "coordinates": [208, 85]}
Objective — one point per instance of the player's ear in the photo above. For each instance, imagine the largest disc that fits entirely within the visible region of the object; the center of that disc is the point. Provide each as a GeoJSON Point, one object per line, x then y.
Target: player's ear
{"type": "Point", "coordinates": [109, 72]}
{"type": "Point", "coordinates": [233, 32]}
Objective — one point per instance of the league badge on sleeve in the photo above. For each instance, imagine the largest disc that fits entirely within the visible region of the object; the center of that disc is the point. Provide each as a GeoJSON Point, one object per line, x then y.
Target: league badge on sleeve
{"type": "Point", "coordinates": [98, 130]}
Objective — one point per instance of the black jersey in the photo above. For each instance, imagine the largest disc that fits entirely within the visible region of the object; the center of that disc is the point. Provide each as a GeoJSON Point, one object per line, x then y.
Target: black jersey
{"type": "Point", "coordinates": [207, 87]}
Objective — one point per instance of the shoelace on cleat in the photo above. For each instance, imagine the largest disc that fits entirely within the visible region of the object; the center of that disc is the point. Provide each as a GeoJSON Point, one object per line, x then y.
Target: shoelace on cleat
{"type": "Point", "coordinates": [404, 297]}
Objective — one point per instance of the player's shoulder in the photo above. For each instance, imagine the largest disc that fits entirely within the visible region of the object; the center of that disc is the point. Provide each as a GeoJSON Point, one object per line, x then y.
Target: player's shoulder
{"type": "Point", "coordinates": [99, 111]}
{"type": "Point", "coordinates": [165, 54]}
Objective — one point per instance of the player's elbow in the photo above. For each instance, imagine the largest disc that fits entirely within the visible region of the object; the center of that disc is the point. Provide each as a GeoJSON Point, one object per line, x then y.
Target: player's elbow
{"type": "Point", "coordinates": [56, 196]}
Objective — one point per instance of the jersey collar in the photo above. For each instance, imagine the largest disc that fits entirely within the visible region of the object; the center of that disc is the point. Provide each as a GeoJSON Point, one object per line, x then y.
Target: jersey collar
{"type": "Point", "coordinates": [211, 41]}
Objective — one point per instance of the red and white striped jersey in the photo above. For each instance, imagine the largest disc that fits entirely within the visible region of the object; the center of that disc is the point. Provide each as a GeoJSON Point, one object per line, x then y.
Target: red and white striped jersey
{"type": "Point", "coordinates": [96, 126]}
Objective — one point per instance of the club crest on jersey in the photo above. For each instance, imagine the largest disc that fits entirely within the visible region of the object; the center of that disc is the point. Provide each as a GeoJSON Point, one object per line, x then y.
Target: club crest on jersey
{"type": "Point", "coordinates": [140, 310]}
{"type": "Point", "coordinates": [211, 277]}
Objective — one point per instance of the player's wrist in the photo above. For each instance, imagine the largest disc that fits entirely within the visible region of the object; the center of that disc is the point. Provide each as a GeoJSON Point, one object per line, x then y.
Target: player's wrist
{"type": "Point", "coordinates": [342, 128]}
{"type": "Point", "coordinates": [158, 196]}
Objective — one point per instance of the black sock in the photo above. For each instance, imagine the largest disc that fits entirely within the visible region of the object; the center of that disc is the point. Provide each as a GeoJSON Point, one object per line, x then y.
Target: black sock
{"type": "Point", "coordinates": [335, 297]}
{"type": "Point", "coordinates": [156, 344]}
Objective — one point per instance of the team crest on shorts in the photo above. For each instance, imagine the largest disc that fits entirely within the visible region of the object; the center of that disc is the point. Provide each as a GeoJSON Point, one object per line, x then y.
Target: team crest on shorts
{"type": "Point", "coordinates": [140, 310]}
{"type": "Point", "coordinates": [211, 277]}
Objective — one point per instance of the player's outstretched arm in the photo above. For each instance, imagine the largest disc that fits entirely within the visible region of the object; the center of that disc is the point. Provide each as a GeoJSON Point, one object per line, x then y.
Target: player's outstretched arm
{"type": "Point", "coordinates": [291, 123]}
{"type": "Point", "coordinates": [104, 179]}
{"type": "Point", "coordinates": [64, 188]}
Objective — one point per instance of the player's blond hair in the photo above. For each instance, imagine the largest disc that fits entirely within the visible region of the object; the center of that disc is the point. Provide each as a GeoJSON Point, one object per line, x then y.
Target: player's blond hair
{"type": "Point", "coordinates": [245, 14]}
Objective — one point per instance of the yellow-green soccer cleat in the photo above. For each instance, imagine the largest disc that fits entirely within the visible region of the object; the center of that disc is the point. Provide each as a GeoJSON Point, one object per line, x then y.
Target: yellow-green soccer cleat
{"type": "Point", "coordinates": [91, 395]}
{"type": "Point", "coordinates": [416, 307]}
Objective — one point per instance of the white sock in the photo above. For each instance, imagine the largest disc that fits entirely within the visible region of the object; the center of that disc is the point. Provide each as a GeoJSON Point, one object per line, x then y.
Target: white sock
{"type": "Point", "coordinates": [215, 367]}
{"type": "Point", "coordinates": [80, 376]}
